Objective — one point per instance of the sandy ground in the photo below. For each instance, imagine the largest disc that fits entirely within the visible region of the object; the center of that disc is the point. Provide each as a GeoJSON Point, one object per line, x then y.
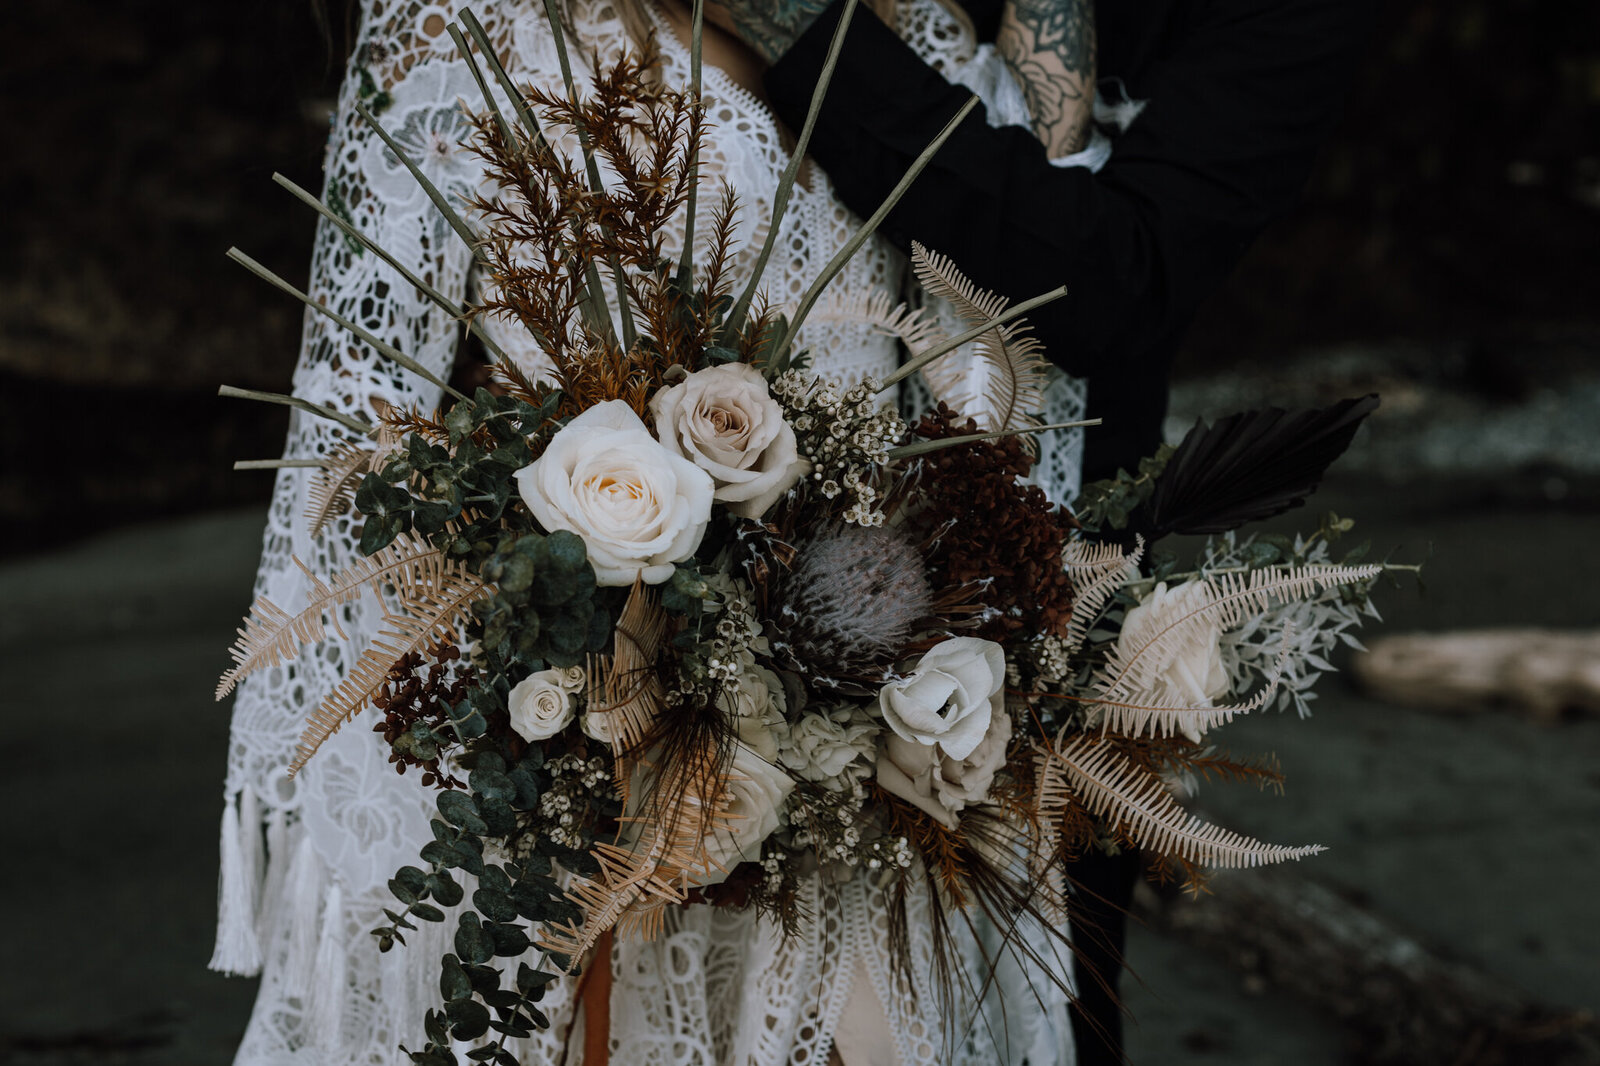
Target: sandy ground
{"type": "Point", "coordinates": [1475, 832]}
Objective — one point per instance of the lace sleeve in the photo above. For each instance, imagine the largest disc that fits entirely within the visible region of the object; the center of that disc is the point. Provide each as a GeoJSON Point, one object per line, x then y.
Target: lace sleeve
{"type": "Point", "coordinates": [290, 900]}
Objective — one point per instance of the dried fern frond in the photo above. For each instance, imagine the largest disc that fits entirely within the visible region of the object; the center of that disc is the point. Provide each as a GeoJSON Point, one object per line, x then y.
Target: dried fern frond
{"type": "Point", "coordinates": [1097, 572]}
{"type": "Point", "coordinates": [915, 328]}
{"type": "Point", "coordinates": [1015, 386]}
{"type": "Point", "coordinates": [1115, 789]}
{"type": "Point", "coordinates": [435, 600]}
{"type": "Point", "coordinates": [271, 636]}
{"type": "Point", "coordinates": [336, 483]}
{"type": "Point", "coordinates": [1131, 671]}
{"type": "Point", "coordinates": [624, 685]}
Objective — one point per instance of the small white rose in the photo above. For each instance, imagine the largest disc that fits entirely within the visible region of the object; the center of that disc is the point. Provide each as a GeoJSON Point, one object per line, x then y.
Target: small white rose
{"type": "Point", "coordinates": [541, 705]}
{"type": "Point", "coordinates": [959, 782]}
{"type": "Point", "coordinates": [725, 421]}
{"type": "Point", "coordinates": [1187, 670]}
{"type": "Point", "coordinates": [757, 791]}
{"type": "Point", "coordinates": [596, 725]}
{"type": "Point", "coordinates": [638, 507]}
{"type": "Point", "coordinates": [950, 697]}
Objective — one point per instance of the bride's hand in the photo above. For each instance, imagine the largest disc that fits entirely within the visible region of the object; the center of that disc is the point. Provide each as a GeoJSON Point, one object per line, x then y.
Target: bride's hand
{"type": "Point", "coordinates": [1050, 47]}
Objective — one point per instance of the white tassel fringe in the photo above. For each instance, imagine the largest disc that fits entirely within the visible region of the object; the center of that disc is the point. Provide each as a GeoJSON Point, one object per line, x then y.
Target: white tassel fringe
{"type": "Point", "coordinates": [238, 949]}
{"type": "Point", "coordinates": [325, 1013]}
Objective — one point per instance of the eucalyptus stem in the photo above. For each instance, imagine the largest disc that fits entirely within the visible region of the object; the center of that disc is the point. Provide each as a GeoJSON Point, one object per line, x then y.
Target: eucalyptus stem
{"type": "Point", "coordinates": [233, 392]}
{"type": "Point", "coordinates": [275, 464]}
{"type": "Point", "coordinates": [449, 306]}
{"type": "Point", "coordinates": [870, 226]}
{"type": "Point", "coordinates": [382, 347]}
{"type": "Point", "coordinates": [450, 215]}
{"type": "Point", "coordinates": [780, 198]}
{"type": "Point", "coordinates": [922, 359]}
{"type": "Point", "coordinates": [686, 261]}
{"type": "Point", "coordinates": [558, 32]}
{"type": "Point", "coordinates": [923, 447]}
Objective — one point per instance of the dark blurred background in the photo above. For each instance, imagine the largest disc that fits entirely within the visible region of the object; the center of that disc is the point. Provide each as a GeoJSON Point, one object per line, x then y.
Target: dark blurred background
{"type": "Point", "coordinates": [1447, 254]}
{"type": "Point", "coordinates": [1457, 210]}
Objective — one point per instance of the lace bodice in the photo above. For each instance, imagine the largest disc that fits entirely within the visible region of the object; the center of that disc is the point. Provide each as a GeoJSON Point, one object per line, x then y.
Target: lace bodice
{"type": "Point", "coordinates": [297, 900]}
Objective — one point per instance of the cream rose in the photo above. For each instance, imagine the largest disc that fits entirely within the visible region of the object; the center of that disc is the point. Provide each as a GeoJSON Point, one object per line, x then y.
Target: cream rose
{"type": "Point", "coordinates": [950, 697]}
{"type": "Point", "coordinates": [959, 782]}
{"type": "Point", "coordinates": [756, 794]}
{"type": "Point", "coordinates": [638, 507]}
{"type": "Point", "coordinates": [541, 705]}
{"type": "Point", "coordinates": [1187, 669]}
{"type": "Point", "coordinates": [725, 421]}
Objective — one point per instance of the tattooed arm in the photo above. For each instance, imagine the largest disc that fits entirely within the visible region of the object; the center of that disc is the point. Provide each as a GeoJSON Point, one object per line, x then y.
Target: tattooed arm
{"type": "Point", "coordinates": [768, 27]}
{"type": "Point", "coordinates": [1050, 47]}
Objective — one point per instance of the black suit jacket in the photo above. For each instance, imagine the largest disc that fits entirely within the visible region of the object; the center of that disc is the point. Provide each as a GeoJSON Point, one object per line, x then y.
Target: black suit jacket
{"type": "Point", "coordinates": [1240, 93]}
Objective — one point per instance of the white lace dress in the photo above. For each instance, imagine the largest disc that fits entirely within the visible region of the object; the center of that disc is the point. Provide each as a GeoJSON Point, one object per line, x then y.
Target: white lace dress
{"type": "Point", "coordinates": [305, 862]}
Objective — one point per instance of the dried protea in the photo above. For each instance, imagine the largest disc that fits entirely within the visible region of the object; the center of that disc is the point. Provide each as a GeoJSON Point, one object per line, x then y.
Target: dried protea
{"type": "Point", "coordinates": [848, 605]}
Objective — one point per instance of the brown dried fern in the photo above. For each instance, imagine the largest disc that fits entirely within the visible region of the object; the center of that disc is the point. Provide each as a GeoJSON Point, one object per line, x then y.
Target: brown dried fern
{"type": "Point", "coordinates": [876, 308]}
{"type": "Point", "coordinates": [1112, 787]}
{"type": "Point", "coordinates": [435, 598]}
{"type": "Point", "coordinates": [335, 485]}
{"type": "Point", "coordinates": [271, 636]}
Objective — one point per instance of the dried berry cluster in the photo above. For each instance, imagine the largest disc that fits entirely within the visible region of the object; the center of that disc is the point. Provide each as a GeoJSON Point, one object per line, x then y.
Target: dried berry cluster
{"type": "Point", "coordinates": [993, 530]}
{"type": "Point", "coordinates": [415, 699]}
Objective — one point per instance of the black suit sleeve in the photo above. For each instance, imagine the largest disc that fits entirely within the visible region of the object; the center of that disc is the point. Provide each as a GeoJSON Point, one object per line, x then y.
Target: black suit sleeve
{"type": "Point", "coordinates": [1237, 103]}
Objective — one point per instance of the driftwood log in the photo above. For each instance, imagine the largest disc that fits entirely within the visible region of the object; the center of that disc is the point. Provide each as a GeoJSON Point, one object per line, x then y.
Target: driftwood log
{"type": "Point", "coordinates": [1402, 1003]}
{"type": "Point", "coordinates": [1540, 672]}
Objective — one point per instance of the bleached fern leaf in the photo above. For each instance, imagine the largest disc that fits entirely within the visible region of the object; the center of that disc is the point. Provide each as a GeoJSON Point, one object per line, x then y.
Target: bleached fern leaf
{"type": "Point", "coordinates": [1115, 789]}
{"type": "Point", "coordinates": [336, 483]}
{"type": "Point", "coordinates": [1223, 602]}
{"type": "Point", "coordinates": [624, 685]}
{"type": "Point", "coordinates": [1097, 572]}
{"type": "Point", "coordinates": [1171, 716]}
{"type": "Point", "coordinates": [1014, 386]}
{"type": "Point", "coordinates": [1051, 795]}
{"type": "Point", "coordinates": [271, 635]}
{"type": "Point", "coordinates": [435, 600]}
{"type": "Point", "coordinates": [916, 329]}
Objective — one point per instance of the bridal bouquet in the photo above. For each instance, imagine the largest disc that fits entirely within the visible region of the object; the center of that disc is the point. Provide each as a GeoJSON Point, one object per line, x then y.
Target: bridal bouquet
{"type": "Point", "coordinates": [671, 619]}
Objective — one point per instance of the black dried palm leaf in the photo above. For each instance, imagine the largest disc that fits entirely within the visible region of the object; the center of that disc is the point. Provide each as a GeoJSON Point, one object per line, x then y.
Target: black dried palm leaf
{"type": "Point", "coordinates": [1248, 466]}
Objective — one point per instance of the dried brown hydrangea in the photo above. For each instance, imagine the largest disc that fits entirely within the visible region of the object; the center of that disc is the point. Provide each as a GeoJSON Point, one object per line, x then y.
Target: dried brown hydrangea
{"type": "Point", "coordinates": [987, 528]}
{"type": "Point", "coordinates": [415, 699]}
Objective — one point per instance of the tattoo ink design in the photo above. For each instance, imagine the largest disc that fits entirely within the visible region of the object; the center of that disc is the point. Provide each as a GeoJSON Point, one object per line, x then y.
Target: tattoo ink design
{"type": "Point", "coordinates": [769, 27]}
{"type": "Point", "coordinates": [1050, 47]}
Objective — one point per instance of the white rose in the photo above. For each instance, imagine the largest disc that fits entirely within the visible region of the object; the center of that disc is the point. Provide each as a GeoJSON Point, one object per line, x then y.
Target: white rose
{"type": "Point", "coordinates": [541, 705]}
{"type": "Point", "coordinates": [1187, 668]}
{"type": "Point", "coordinates": [638, 507]}
{"type": "Point", "coordinates": [822, 744]}
{"type": "Point", "coordinates": [597, 726]}
{"type": "Point", "coordinates": [756, 793]}
{"type": "Point", "coordinates": [958, 782]}
{"type": "Point", "coordinates": [950, 697]}
{"type": "Point", "coordinates": [725, 421]}
{"type": "Point", "coordinates": [906, 769]}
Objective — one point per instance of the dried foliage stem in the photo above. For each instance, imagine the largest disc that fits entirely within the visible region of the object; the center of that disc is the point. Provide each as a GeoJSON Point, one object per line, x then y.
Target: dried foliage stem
{"type": "Point", "coordinates": [911, 366]}
{"type": "Point", "coordinates": [307, 406]}
{"type": "Point", "coordinates": [870, 226]}
{"type": "Point", "coordinates": [530, 123]}
{"type": "Point", "coordinates": [923, 447]}
{"type": "Point", "coordinates": [449, 306]}
{"type": "Point", "coordinates": [275, 464]}
{"type": "Point", "coordinates": [780, 197]}
{"type": "Point", "coordinates": [558, 32]}
{"type": "Point", "coordinates": [450, 214]}
{"type": "Point", "coordinates": [686, 263]}
{"type": "Point", "coordinates": [381, 347]}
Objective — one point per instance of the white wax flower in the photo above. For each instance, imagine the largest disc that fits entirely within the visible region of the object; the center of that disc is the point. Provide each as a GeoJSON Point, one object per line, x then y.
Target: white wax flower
{"type": "Point", "coordinates": [950, 696]}
{"type": "Point", "coordinates": [638, 507]}
{"type": "Point", "coordinates": [541, 705]}
{"type": "Point", "coordinates": [725, 421]}
{"type": "Point", "coordinates": [1187, 670]}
